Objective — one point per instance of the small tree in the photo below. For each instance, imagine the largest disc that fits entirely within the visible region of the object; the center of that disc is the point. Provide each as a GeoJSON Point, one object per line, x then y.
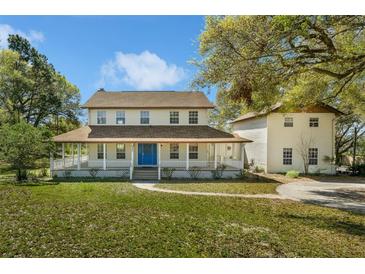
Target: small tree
{"type": "Point", "coordinates": [303, 149]}
{"type": "Point", "coordinates": [22, 145]}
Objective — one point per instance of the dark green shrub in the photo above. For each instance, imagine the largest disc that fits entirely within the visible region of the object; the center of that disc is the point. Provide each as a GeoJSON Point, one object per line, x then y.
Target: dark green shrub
{"type": "Point", "coordinates": [242, 174]}
{"type": "Point", "coordinates": [167, 172]}
{"type": "Point", "coordinates": [218, 172]}
{"type": "Point", "coordinates": [194, 172]}
{"type": "Point", "coordinates": [93, 172]}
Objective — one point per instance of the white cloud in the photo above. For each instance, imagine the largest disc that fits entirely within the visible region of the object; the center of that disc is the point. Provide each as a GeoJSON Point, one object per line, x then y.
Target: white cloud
{"type": "Point", "coordinates": [32, 35]}
{"type": "Point", "coordinates": [141, 71]}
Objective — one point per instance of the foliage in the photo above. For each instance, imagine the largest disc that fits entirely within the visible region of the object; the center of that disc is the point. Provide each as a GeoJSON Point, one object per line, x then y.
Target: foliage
{"type": "Point", "coordinates": [242, 174]}
{"type": "Point", "coordinates": [44, 172]}
{"type": "Point", "coordinates": [67, 173]}
{"type": "Point", "coordinates": [23, 144]}
{"type": "Point", "coordinates": [218, 172]}
{"type": "Point", "coordinates": [258, 169]}
{"type": "Point", "coordinates": [256, 61]}
{"type": "Point", "coordinates": [292, 174]}
{"type": "Point", "coordinates": [168, 172]}
{"type": "Point", "coordinates": [118, 220]}
{"type": "Point", "coordinates": [359, 169]}
{"type": "Point", "coordinates": [31, 89]}
{"type": "Point", "coordinates": [194, 172]}
{"type": "Point", "coordinates": [93, 172]}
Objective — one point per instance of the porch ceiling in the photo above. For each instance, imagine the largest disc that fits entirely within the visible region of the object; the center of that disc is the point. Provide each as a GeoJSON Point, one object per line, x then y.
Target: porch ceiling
{"type": "Point", "coordinates": [148, 134]}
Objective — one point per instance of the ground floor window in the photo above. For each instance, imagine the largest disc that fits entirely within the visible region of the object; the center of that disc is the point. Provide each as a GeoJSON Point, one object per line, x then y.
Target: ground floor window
{"type": "Point", "coordinates": [193, 151]}
{"type": "Point", "coordinates": [174, 151]}
{"type": "Point", "coordinates": [120, 151]}
{"type": "Point", "coordinates": [287, 156]}
{"type": "Point", "coordinates": [313, 156]}
{"type": "Point", "coordinates": [100, 151]}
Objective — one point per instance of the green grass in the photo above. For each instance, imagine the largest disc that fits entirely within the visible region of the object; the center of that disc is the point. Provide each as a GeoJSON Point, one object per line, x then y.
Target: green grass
{"type": "Point", "coordinates": [119, 220]}
{"type": "Point", "coordinates": [235, 187]}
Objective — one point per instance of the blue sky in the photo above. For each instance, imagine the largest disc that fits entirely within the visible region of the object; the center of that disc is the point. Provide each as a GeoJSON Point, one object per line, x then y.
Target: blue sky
{"type": "Point", "coordinates": [114, 52]}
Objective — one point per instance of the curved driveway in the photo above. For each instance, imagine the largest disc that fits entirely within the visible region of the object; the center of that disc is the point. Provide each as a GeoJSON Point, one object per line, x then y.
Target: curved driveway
{"type": "Point", "coordinates": [348, 196]}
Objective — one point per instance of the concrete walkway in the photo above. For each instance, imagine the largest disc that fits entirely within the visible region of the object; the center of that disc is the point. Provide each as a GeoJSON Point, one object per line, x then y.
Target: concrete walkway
{"type": "Point", "coordinates": [151, 187]}
{"type": "Point", "coordinates": [348, 196]}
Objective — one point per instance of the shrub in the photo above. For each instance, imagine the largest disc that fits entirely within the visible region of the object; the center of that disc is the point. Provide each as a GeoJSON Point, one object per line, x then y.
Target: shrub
{"type": "Point", "coordinates": [67, 174]}
{"type": "Point", "coordinates": [259, 169]}
{"type": "Point", "coordinates": [292, 174]}
{"type": "Point", "coordinates": [93, 172]}
{"type": "Point", "coordinates": [167, 172]}
{"type": "Point", "coordinates": [242, 174]}
{"type": "Point", "coordinates": [359, 169]}
{"type": "Point", "coordinates": [44, 172]}
{"type": "Point", "coordinates": [194, 172]}
{"type": "Point", "coordinates": [218, 172]}
{"type": "Point", "coordinates": [125, 173]}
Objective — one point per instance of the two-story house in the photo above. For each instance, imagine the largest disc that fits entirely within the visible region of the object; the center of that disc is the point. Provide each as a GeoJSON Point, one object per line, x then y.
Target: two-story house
{"type": "Point", "coordinates": [143, 134]}
{"type": "Point", "coordinates": [284, 141]}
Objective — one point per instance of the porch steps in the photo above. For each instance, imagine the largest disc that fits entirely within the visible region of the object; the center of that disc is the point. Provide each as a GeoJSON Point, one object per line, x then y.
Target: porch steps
{"type": "Point", "coordinates": [145, 173]}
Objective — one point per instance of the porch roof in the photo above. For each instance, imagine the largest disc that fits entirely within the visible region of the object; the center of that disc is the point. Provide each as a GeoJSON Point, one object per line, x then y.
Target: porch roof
{"type": "Point", "coordinates": [148, 134]}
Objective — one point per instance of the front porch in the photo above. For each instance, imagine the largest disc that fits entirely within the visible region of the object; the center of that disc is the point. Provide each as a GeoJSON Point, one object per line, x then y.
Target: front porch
{"type": "Point", "coordinates": [122, 159]}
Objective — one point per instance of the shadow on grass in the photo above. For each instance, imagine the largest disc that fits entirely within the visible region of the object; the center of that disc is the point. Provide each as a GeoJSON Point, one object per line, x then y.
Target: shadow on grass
{"type": "Point", "coordinates": [329, 223]}
{"type": "Point", "coordinates": [336, 178]}
{"type": "Point", "coordinates": [90, 180]}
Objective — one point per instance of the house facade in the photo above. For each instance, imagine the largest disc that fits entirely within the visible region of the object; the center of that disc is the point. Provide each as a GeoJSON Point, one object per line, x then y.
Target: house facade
{"type": "Point", "coordinates": [284, 141]}
{"type": "Point", "coordinates": [147, 135]}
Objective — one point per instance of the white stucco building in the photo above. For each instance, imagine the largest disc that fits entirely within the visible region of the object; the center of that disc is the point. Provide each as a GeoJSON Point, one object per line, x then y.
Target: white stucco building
{"type": "Point", "coordinates": [281, 139]}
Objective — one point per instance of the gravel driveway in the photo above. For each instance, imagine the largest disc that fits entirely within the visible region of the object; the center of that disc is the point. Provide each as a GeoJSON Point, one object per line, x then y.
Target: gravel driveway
{"type": "Point", "coordinates": [349, 196]}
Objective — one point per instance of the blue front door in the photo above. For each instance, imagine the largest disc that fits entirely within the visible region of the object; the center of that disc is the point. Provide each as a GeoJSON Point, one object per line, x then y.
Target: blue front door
{"type": "Point", "coordinates": [147, 154]}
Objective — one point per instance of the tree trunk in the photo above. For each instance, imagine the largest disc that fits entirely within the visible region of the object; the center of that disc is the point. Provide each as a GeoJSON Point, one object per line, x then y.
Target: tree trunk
{"type": "Point", "coordinates": [354, 153]}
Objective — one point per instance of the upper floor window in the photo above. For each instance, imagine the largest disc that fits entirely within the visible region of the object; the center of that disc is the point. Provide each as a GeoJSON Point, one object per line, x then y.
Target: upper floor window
{"type": "Point", "coordinates": [288, 122]}
{"type": "Point", "coordinates": [193, 117]}
{"type": "Point", "coordinates": [120, 151]}
{"type": "Point", "coordinates": [313, 156]}
{"type": "Point", "coordinates": [174, 117]}
{"type": "Point", "coordinates": [100, 153]}
{"type": "Point", "coordinates": [145, 117]}
{"type": "Point", "coordinates": [120, 117]}
{"type": "Point", "coordinates": [174, 151]}
{"type": "Point", "coordinates": [287, 156]}
{"type": "Point", "coordinates": [313, 122]}
{"type": "Point", "coordinates": [101, 117]}
{"type": "Point", "coordinates": [193, 151]}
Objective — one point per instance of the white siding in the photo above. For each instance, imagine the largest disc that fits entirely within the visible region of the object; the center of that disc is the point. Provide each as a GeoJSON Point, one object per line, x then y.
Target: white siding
{"type": "Point", "coordinates": [280, 137]}
{"type": "Point", "coordinates": [157, 116]}
{"type": "Point", "coordinates": [255, 130]}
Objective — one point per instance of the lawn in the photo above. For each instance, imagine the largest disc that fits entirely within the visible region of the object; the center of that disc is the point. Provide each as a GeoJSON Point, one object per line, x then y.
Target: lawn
{"type": "Point", "coordinates": [119, 220]}
{"type": "Point", "coordinates": [234, 187]}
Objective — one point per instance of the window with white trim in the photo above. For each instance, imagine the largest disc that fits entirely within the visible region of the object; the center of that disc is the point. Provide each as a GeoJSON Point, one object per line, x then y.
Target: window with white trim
{"type": "Point", "coordinates": [193, 151]}
{"type": "Point", "coordinates": [120, 151]}
{"type": "Point", "coordinates": [174, 117]}
{"type": "Point", "coordinates": [174, 151]}
{"type": "Point", "coordinates": [145, 117]}
{"type": "Point", "coordinates": [193, 117]}
{"type": "Point", "coordinates": [100, 153]}
{"type": "Point", "coordinates": [287, 156]}
{"type": "Point", "coordinates": [101, 117]}
{"type": "Point", "coordinates": [120, 117]}
{"type": "Point", "coordinates": [288, 122]}
{"type": "Point", "coordinates": [313, 156]}
{"type": "Point", "coordinates": [313, 122]}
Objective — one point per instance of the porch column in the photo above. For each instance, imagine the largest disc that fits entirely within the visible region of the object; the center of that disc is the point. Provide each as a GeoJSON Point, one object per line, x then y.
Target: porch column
{"type": "Point", "coordinates": [51, 164]}
{"type": "Point", "coordinates": [159, 160]}
{"type": "Point", "coordinates": [72, 154]}
{"type": "Point", "coordinates": [215, 156]}
{"type": "Point", "coordinates": [78, 156]}
{"type": "Point", "coordinates": [132, 162]}
{"type": "Point", "coordinates": [242, 156]}
{"type": "Point", "coordinates": [63, 155]}
{"type": "Point", "coordinates": [187, 156]}
{"type": "Point", "coordinates": [104, 156]}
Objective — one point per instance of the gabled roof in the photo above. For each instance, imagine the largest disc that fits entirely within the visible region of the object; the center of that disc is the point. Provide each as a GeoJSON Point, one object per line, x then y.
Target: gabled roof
{"type": "Point", "coordinates": [140, 134]}
{"type": "Point", "coordinates": [148, 99]}
{"type": "Point", "coordinates": [319, 108]}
